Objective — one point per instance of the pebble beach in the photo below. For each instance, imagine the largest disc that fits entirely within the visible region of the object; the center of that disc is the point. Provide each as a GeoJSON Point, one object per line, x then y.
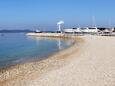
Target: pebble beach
{"type": "Point", "coordinates": [89, 62]}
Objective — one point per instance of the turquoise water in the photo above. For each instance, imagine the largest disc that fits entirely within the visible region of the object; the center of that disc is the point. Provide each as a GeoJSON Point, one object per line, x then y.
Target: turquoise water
{"type": "Point", "coordinates": [18, 48]}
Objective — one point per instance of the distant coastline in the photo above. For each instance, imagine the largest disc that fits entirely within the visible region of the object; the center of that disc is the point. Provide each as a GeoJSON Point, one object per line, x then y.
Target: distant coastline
{"type": "Point", "coordinates": [15, 31]}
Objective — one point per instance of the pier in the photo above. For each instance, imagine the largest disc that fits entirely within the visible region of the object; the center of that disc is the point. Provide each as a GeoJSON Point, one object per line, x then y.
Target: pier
{"type": "Point", "coordinates": [56, 35]}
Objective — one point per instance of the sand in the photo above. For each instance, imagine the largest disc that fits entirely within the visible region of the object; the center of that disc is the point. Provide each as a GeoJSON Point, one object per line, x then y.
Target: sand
{"type": "Point", "coordinates": [89, 64]}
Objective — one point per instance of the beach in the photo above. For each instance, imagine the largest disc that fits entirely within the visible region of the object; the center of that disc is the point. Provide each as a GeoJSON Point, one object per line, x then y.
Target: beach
{"type": "Point", "coordinates": [89, 62]}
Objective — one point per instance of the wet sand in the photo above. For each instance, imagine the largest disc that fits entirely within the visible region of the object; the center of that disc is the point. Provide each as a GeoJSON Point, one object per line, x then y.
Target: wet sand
{"type": "Point", "coordinates": [89, 63]}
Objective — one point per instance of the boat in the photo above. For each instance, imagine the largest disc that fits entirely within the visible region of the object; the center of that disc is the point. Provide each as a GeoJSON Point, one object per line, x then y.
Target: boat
{"type": "Point", "coordinates": [37, 31]}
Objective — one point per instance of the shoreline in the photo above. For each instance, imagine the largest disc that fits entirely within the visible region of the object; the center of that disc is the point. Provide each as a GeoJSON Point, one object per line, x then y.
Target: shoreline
{"type": "Point", "coordinates": [91, 62]}
{"type": "Point", "coordinates": [21, 71]}
{"type": "Point", "coordinates": [93, 65]}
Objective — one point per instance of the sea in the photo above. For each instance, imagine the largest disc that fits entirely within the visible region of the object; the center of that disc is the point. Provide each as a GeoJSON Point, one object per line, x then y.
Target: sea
{"type": "Point", "coordinates": [17, 48]}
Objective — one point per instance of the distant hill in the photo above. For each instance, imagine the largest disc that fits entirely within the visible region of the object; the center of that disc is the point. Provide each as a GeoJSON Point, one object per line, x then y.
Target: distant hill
{"type": "Point", "coordinates": [15, 31]}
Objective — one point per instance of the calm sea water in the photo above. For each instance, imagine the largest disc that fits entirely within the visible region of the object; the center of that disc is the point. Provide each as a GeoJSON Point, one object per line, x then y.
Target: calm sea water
{"type": "Point", "coordinates": [17, 48]}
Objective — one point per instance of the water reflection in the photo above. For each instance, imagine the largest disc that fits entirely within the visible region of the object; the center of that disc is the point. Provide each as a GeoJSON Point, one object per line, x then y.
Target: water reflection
{"type": "Point", "coordinates": [60, 42]}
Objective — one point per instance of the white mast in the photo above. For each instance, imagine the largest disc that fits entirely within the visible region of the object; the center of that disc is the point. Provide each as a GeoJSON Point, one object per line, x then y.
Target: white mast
{"type": "Point", "coordinates": [109, 23]}
{"type": "Point", "coordinates": [110, 26]}
{"type": "Point", "coordinates": [94, 22]}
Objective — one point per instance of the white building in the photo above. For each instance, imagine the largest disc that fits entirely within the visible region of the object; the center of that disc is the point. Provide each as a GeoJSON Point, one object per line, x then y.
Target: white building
{"type": "Point", "coordinates": [77, 30]}
{"type": "Point", "coordinates": [90, 30]}
{"type": "Point", "coordinates": [80, 30]}
{"type": "Point", "coordinates": [68, 30]}
{"type": "Point", "coordinates": [73, 30]}
{"type": "Point", "coordinates": [107, 30]}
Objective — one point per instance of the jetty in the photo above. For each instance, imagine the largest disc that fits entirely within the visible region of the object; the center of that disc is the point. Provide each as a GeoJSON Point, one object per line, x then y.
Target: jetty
{"type": "Point", "coordinates": [46, 34]}
{"type": "Point", "coordinates": [55, 35]}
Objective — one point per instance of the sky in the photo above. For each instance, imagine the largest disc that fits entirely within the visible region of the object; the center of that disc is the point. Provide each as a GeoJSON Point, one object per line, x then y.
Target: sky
{"type": "Point", "coordinates": [46, 13]}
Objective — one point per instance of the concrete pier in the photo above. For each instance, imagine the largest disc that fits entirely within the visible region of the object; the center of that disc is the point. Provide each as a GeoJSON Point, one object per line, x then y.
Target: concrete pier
{"type": "Point", "coordinates": [61, 35]}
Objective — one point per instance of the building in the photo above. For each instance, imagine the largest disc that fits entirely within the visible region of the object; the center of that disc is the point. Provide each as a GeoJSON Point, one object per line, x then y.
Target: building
{"type": "Point", "coordinates": [90, 30]}
{"type": "Point", "coordinates": [77, 30]}
{"type": "Point", "coordinates": [82, 30]}
{"type": "Point", "coordinates": [106, 30]}
{"type": "Point", "coordinates": [68, 30]}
